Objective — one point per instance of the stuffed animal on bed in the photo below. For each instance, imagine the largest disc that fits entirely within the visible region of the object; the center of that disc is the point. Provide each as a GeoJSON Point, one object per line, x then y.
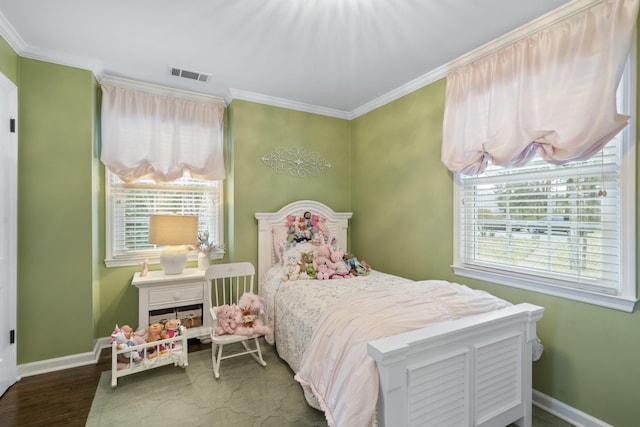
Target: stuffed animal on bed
{"type": "Point", "coordinates": [339, 264]}
{"type": "Point", "coordinates": [322, 263]}
{"type": "Point", "coordinates": [307, 265]}
{"type": "Point", "coordinates": [251, 306]}
{"type": "Point", "coordinates": [292, 271]}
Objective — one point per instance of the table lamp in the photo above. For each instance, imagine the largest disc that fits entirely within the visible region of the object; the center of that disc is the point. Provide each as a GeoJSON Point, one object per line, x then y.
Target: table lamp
{"type": "Point", "coordinates": [174, 231]}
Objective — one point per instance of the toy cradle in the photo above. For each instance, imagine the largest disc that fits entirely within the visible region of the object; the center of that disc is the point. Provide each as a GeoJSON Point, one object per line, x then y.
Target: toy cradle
{"type": "Point", "coordinates": [151, 355]}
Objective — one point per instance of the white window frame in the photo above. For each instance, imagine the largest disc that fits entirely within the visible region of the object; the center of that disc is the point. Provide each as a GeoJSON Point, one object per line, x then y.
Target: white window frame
{"type": "Point", "coordinates": [151, 255]}
{"type": "Point", "coordinates": [626, 300]}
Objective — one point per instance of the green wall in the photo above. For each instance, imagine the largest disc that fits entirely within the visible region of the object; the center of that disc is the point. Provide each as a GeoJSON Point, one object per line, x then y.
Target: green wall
{"type": "Point", "coordinates": [258, 130]}
{"type": "Point", "coordinates": [591, 353]}
{"type": "Point", "coordinates": [8, 61]}
{"type": "Point", "coordinates": [252, 131]}
{"type": "Point", "coordinates": [385, 168]}
{"type": "Point", "coordinates": [56, 118]}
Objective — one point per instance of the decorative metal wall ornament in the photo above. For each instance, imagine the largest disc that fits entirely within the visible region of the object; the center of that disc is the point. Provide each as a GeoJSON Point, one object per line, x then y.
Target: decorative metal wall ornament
{"type": "Point", "coordinates": [296, 161]}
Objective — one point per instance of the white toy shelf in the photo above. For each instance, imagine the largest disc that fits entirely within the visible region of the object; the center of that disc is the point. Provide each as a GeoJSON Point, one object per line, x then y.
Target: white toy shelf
{"type": "Point", "coordinates": [152, 355]}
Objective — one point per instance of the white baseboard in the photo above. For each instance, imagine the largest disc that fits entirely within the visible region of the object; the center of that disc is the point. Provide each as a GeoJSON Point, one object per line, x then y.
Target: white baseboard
{"type": "Point", "coordinates": [66, 362]}
{"type": "Point", "coordinates": [566, 412]}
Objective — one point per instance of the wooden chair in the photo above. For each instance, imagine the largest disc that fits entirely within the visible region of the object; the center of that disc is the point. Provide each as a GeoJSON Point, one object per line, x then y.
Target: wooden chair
{"type": "Point", "coordinates": [228, 283]}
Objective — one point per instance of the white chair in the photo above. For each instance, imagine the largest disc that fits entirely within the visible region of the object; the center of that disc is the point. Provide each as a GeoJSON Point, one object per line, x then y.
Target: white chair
{"type": "Point", "coordinates": [228, 283]}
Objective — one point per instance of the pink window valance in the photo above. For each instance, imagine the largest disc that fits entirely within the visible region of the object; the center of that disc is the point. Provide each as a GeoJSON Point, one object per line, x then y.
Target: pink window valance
{"type": "Point", "coordinates": [552, 93]}
{"type": "Point", "coordinates": [159, 136]}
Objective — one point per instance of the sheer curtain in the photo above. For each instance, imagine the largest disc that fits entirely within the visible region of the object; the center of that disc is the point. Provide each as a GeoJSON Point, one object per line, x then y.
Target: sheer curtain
{"type": "Point", "coordinates": [552, 93]}
{"type": "Point", "coordinates": [160, 137]}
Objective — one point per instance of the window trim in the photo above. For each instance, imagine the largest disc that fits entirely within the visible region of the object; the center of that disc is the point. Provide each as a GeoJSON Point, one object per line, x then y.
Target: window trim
{"type": "Point", "coordinates": [152, 256]}
{"type": "Point", "coordinates": [627, 299]}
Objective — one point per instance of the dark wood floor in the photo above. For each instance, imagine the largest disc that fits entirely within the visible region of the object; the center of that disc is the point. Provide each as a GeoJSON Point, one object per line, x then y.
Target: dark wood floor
{"type": "Point", "coordinates": [61, 398]}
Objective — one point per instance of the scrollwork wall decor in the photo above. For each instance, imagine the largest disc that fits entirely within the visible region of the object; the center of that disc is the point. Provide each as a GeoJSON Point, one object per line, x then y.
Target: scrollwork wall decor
{"type": "Point", "coordinates": [296, 161]}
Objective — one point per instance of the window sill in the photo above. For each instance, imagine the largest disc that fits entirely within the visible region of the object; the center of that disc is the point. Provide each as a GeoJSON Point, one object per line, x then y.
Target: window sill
{"type": "Point", "coordinates": [622, 303]}
{"type": "Point", "coordinates": [151, 260]}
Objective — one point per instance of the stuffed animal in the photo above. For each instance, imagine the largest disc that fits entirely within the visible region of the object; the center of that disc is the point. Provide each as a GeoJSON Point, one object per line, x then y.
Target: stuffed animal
{"type": "Point", "coordinates": [251, 306]}
{"type": "Point", "coordinates": [227, 318]}
{"type": "Point", "coordinates": [155, 332]}
{"type": "Point", "coordinates": [357, 268]}
{"type": "Point", "coordinates": [292, 271]}
{"type": "Point", "coordinates": [324, 250]}
{"type": "Point", "coordinates": [322, 226]}
{"type": "Point", "coordinates": [307, 264]}
{"type": "Point", "coordinates": [323, 272]}
{"type": "Point", "coordinates": [339, 264]}
{"type": "Point", "coordinates": [314, 221]}
{"type": "Point", "coordinates": [124, 338]}
{"type": "Point", "coordinates": [322, 263]}
{"type": "Point", "coordinates": [173, 328]}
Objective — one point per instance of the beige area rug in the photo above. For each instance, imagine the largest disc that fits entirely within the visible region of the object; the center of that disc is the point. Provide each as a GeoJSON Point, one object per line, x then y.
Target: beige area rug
{"type": "Point", "coordinates": [246, 394]}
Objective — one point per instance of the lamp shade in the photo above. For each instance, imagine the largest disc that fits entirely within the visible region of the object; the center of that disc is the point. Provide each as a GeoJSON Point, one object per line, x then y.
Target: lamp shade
{"type": "Point", "coordinates": [173, 229]}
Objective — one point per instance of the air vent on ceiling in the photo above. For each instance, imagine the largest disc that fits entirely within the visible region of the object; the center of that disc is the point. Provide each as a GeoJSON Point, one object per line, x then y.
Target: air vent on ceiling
{"type": "Point", "coordinates": [193, 75]}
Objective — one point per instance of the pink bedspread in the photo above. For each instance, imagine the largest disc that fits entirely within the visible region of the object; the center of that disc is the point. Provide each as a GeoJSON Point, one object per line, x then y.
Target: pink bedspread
{"type": "Point", "coordinates": [336, 366]}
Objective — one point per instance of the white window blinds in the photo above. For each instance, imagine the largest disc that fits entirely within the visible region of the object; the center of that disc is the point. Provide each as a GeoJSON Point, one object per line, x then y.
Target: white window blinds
{"type": "Point", "coordinates": [130, 206]}
{"type": "Point", "coordinates": [559, 223]}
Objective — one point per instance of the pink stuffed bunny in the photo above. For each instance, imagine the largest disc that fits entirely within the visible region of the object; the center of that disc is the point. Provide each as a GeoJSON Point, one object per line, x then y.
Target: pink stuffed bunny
{"type": "Point", "coordinates": [339, 265]}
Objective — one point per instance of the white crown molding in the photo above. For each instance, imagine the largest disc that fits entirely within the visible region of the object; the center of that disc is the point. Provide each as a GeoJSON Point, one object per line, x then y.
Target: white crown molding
{"type": "Point", "coordinates": [61, 58]}
{"type": "Point", "coordinates": [555, 16]}
{"type": "Point", "coordinates": [285, 103]}
{"type": "Point", "coordinates": [569, 9]}
{"type": "Point", "coordinates": [10, 35]}
{"type": "Point", "coordinates": [160, 90]}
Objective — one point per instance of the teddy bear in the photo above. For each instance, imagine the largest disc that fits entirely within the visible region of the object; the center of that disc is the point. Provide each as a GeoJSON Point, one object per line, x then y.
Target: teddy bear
{"type": "Point", "coordinates": [124, 337]}
{"type": "Point", "coordinates": [155, 332]}
{"type": "Point", "coordinates": [292, 271]}
{"type": "Point", "coordinates": [227, 317]}
{"type": "Point", "coordinates": [307, 265]}
{"type": "Point", "coordinates": [250, 305]}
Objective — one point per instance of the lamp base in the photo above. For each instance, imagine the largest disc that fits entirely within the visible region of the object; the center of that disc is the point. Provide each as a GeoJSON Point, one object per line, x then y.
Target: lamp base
{"type": "Point", "coordinates": [173, 259]}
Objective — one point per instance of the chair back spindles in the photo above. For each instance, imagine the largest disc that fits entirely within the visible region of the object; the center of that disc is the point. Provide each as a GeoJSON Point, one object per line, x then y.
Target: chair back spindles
{"type": "Point", "coordinates": [229, 282]}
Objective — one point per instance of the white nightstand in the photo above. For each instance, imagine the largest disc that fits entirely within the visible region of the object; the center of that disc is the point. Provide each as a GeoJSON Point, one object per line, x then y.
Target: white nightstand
{"type": "Point", "coordinates": [159, 292]}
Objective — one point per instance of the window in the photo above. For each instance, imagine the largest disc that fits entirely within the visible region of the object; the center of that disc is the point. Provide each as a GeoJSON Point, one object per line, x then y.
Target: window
{"type": "Point", "coordinates": [129, 207]}
{"type": "Point", "coordinates": [564, 230]}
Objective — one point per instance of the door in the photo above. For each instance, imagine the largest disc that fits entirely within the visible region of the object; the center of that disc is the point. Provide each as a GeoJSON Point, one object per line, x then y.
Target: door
{"type": "Point", "coordinates": [8, 231]}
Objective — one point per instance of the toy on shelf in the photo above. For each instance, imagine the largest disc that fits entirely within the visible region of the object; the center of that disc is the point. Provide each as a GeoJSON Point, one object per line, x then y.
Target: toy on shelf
{"type": "Point", "coordinates": [156, 346]}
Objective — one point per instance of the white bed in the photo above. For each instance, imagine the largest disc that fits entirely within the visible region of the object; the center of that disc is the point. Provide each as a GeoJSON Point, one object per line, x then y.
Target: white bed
{"type": "Point", "coordinates": [471, 371]}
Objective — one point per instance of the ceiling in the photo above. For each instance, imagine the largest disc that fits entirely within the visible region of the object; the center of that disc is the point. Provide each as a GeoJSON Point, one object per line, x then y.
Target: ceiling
{"type": "Point", "coordinates": [336, 56]}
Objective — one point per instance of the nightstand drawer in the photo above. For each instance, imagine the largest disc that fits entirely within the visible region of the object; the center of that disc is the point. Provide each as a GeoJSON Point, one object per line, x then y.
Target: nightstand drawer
{"type": "Point", "coordinates": [175, 295]}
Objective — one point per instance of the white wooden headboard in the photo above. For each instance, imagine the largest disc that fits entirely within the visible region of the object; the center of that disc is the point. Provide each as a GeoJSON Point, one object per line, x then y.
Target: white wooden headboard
{"type": "Point", "coordinates": [337, 222]}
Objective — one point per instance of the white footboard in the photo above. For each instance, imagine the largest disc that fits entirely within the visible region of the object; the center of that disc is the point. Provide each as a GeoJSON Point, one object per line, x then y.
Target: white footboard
{"type": "Point", "coordinates": [474, 371]}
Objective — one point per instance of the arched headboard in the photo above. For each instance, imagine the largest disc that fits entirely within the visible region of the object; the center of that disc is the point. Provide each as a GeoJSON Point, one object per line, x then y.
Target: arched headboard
{"type": "Point", "coordinates": [337, 222]}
